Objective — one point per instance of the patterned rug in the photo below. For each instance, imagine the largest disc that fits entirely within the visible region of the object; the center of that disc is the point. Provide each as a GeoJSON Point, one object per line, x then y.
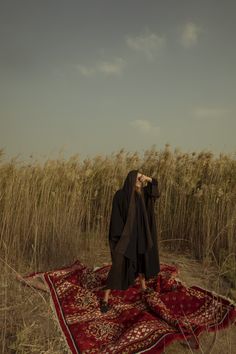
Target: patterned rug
{"type": "Point", "coordinates": [137, 322]}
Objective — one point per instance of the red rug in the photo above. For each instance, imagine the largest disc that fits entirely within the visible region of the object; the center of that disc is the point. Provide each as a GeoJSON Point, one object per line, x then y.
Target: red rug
{"type": "Point", "coordinates": [137, 323]}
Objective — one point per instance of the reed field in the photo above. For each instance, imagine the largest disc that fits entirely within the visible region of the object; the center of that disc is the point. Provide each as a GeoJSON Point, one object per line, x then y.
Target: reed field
{"type": "Point", "coordinates": [55, 212]}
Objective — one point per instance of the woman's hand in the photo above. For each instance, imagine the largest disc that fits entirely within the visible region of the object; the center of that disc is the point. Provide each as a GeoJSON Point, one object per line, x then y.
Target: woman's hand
{"type": "Point", "coordinates": [144, 178]}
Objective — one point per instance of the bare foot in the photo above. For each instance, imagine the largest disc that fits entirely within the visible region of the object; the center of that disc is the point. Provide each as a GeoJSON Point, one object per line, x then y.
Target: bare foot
{"type": "Point", "coordinates": [143, 287]}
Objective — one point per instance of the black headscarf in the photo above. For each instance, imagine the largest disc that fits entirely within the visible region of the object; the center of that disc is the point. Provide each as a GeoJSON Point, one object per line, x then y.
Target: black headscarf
{"type": "Point", "coordinates": [129, 192]}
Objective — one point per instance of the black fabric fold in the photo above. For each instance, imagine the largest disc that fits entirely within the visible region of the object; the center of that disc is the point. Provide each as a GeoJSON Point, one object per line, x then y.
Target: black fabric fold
{"type": "Point", "coordinates": [132, 230]}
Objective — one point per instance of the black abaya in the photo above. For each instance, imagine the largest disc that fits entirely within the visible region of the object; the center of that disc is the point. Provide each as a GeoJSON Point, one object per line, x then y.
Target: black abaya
{"type": "Point", "coordinates": [133, 234]}
{"type": "Point", "coordinates": [138, 236]}
{"type": "Point", "coordinates": [140, 226]}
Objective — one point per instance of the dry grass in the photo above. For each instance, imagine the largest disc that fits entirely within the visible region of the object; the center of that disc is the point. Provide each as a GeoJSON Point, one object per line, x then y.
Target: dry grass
{"type": "Point", "coordinates": [54, 213]}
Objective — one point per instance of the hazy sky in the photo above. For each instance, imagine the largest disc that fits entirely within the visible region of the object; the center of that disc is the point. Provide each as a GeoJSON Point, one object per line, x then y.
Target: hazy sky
{"type": "Point", "coordinates": [91, 77]}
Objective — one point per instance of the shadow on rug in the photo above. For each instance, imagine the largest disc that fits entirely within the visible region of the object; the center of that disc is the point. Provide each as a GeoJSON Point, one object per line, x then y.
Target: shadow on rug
{"type": "Point", "coordinates": [137, 322]}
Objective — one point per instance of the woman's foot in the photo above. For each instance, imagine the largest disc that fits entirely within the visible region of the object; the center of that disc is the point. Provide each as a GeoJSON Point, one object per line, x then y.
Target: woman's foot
{"type": "Point", "coordinates": [104, 306]}
{"type": "Point", "coordinates": [146, 290]}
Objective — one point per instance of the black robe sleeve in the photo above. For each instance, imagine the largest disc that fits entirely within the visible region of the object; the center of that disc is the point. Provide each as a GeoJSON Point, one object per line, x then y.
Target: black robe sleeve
{"type": "Point", "coordinates": [116, 222]}
{"type": "Point", "coordinates": [152, 189]}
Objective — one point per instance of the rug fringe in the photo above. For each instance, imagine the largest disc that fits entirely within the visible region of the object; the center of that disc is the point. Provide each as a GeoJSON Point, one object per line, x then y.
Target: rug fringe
{"type": "Point", "coordinates": [231, 301]}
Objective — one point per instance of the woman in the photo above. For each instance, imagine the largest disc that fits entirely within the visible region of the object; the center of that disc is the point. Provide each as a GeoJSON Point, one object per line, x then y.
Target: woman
{"type": "Point", "coordinates": [132, 235]}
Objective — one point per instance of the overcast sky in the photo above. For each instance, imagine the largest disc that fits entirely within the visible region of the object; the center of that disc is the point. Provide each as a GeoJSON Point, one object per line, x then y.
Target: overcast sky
{"type": "Point", "coordinates": [92, 77]}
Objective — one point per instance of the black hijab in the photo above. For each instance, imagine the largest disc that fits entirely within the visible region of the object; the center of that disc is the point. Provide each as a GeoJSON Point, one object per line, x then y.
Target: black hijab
{"type": "Point", "coordinates": [129, 193]}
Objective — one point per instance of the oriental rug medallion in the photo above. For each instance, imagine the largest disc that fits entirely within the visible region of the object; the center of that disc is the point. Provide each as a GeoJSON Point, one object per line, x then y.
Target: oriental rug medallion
{"type": "Point", "coordinates": [137, 322]}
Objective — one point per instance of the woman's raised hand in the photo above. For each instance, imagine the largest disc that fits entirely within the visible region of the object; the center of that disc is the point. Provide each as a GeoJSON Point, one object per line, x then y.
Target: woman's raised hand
{"type": "Point", "coordinates": [144, 178]}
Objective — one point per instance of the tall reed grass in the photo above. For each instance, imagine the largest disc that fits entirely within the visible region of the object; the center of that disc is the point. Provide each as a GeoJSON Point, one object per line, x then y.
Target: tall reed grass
{"type": "Point", "coordinates": [49, 211]}
{"type": "Point", "coordinates": [56, 212]}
